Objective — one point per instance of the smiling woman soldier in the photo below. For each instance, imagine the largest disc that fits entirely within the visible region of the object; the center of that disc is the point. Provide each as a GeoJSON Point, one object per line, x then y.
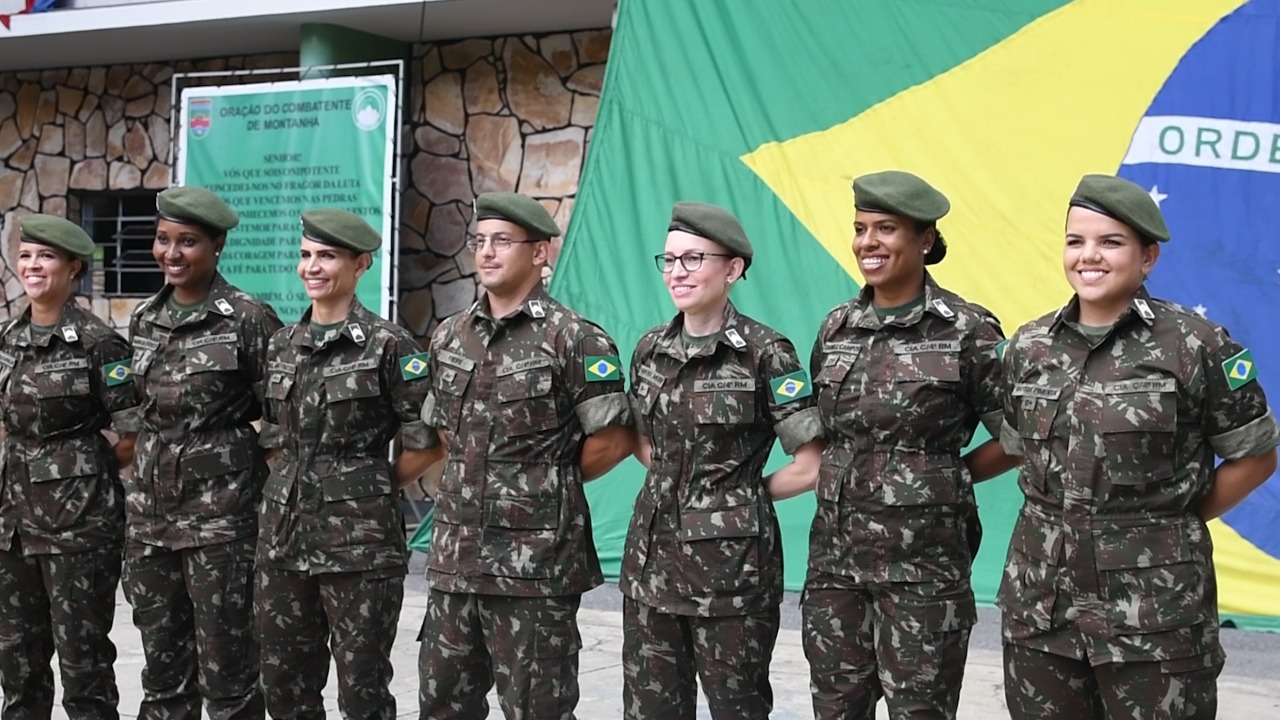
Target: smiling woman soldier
{"type": "Point", "coordinates": [1119, 403]}
{"type": "Point", "coordinates": [200, 351]}
{"type": "Point", "coordinates": [64, 378]}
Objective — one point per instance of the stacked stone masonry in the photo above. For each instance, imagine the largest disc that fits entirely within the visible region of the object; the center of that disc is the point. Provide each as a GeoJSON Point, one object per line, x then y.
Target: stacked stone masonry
{"type": "Point", "coordinates": [510, 113]}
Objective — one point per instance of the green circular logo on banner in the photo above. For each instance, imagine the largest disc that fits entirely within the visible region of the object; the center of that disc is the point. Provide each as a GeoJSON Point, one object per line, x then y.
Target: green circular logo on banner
{"type": "Point", "coordinates": [369, 109]}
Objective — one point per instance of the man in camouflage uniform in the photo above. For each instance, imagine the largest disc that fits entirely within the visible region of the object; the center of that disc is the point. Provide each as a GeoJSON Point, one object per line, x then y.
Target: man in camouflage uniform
{"type": "Point", "coordinates": [702, 565]}
{"type": "Point", "coordinates": [61, 502]}
{"type": "Point", "coordinates": [902, 384]}
{"type": "Point", "coordinates": [528, 397]}
{"type": "Point", "coordinates": [331, 548]}
{"type": "Point", "coordinates": [1109, 594]}
{"type": "Point", "coordinates": [193, 499]}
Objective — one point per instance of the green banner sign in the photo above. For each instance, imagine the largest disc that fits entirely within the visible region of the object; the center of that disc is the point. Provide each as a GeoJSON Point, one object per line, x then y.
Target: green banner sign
{"type": "Point", "coordinates": [273, 150]}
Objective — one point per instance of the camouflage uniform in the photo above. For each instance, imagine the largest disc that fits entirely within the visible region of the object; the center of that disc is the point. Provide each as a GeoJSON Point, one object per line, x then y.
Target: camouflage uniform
{"type": "Point", "coordinates": [192, 501]}
{"type": "Point", "coordinates": [61, 512]}
{"type": "Point", "coordinates": [888, 606]}
{"type": "Point", "coordinates": [331, 544]}
{"type": "Point", "coordinates": [512, 544]}
{"type": "Point", "coordinates": [1109, 594]}
{"type": "Point", "coordinates": [702, 565]}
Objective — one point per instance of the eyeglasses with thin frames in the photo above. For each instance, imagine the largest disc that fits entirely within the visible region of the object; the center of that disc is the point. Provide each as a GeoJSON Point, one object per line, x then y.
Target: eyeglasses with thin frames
{"type": "Point", "coordinates": [499, 242]}
{"type": "Point", "coordinates": [691, 261]}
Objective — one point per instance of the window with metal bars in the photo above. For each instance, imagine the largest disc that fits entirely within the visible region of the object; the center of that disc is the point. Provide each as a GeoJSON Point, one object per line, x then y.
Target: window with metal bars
{"type": "Point", "coordinates": [123, 225]}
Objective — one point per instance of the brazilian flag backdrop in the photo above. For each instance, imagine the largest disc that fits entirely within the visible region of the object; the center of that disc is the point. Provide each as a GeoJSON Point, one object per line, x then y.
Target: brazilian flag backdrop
{"type": "Point", "coordinates": [771, 107]}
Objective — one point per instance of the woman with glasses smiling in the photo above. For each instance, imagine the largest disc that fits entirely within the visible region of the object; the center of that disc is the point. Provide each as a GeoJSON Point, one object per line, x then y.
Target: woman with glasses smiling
{"type": "Point", "coordinates": [702, 568]}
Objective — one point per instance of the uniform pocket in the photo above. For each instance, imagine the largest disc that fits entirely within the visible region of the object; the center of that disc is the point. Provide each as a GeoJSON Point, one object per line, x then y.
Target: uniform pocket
{"type": "Point", "coordinates": [555, 649]}
{"type": "Point", "coordinates": [724, 407]}
{"type": "Point", "coordinates": [1028, 588]}
{"type": "Point", "coordinates": [721, 550]}
{"type": "Point", "coordinates": [348, 397]}
{"type": "Point", "coordinates": [360, 506]}
{"type": "Point", "coordinates": [221, 356]}
{"type": "Point", "coordinates": [450, 385]}
{"type": "Point", "coordinates": [928, 367]}
{"type": "Point", "coordinates": [226, 493]}
{"type": "Point", "coordinates": [1150, 578]}
{"type": "Point", "coordinates": [64, 489]}
{"type": "Point", "coordinates": [1138, 429]}
{"type": "Point", "coordinates": [934, 481]}
{"type": "Point", "coordinates": [63, 384]}
{"type": "Point", "coordinates": [527, 405]}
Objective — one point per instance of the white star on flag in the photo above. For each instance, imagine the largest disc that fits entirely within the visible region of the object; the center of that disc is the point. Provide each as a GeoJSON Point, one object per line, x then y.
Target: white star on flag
{"type": "Point", "coordinates": [1157, 195]}
{"type": "Point", "coordinates": [1201, 310]}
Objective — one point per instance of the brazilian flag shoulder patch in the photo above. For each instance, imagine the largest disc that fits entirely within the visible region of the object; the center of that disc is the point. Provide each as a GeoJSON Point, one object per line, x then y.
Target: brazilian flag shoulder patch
{"type": "Point", "coordinates": [602, 367]}
{"type": "Point", "coordinates": [414, 367]}
{"type": "Point", "coordinates": [792, 386]}
{"type": "Point", "coordinates": [1239, 369]}
{"type": "Point", "coordinates": [118, 373]}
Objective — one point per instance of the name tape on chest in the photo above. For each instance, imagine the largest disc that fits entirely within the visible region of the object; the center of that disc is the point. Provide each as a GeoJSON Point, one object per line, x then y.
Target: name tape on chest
{"type": "Point", "coordinates": [63, 365]}
{"type": "Point", "coordinates": [345, 368]}
{"type": "Point", "coordinates": [206, 340]}
{"type": "Point", "coordinates": [1141, 385]}
{"type": "Point", "coordinates": [520, 366]}
{"type": "Point", "coordinates": [278, 366]}
{"type": "Point", "coordinates": [456, 360]}
{"type": "Point", "coordinates": [7, 360]}
{"type": "Point", "coordinates": [724, 385]}
{"type": "Point", "coordinates": [846, 348]}
{"type": "Point", "coordinates": [928, 346]}
{"type": "Point", "coordinates": [145, 344]}
{"type": "Point", "coordinates": [650, 375]}
{"type": "Point", "coordinates": [1031, 390]}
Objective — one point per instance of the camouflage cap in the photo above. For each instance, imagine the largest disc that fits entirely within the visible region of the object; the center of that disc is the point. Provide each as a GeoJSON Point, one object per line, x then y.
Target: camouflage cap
{"type": "Point", "coordinates": [331, 226]}
{"type": "Point", "coordinates": [1123, 200]}
{"type": "Point", "coordinates": [57, 232]}
{"type": "Point", "coordinates": [519, 209]}
{"type": "Point", "coordinates": [902, 193]}
{"type": "Point", "coordinates": [194, 204]}
{"type": "Point", "coordinates": [713, 223]}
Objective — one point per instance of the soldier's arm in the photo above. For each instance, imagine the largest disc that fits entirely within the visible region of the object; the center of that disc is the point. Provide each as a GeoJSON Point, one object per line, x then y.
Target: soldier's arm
{"type": "Point", "coordinates": [594, 376]}
{"type": "Point", "coordinates": [792, 411]}
{"type": "Point", "coordinates": [113, 383]}
{"type": "Point", "coordinates": [1240, 428]}
{"type": "Point", "coordinates": [983, 369]}
{"type": "Point", "coordinates": [408, 386]}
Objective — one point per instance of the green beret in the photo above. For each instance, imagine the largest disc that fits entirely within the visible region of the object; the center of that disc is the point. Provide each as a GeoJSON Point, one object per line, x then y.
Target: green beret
{"type": "Point", "coordinates": [57, 232]}
{"type": "Point", "coordinates": [901, 193]}
{"type": "Point", "coordinates": [1125, 201]}
{"type": "Point", "coordinates": [713, 223]}
{"type": "Point", "coordinates": [332, 226]}
{"type": "Point", "coordinates": [195, 205]}
{"type": "Point", "coordinates": [519, 209]}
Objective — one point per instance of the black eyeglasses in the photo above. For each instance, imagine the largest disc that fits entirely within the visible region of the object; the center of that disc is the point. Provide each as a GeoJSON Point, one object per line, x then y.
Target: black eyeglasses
{"type": "Point", "coordinates": [499, 242]}
{"type": "Point", "coordinates": [690, 260]}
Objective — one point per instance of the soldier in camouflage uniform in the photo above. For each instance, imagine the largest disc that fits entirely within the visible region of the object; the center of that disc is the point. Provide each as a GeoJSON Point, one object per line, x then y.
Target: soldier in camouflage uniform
{"type": "Point", "coordinates": [64, 378]}
{"type": "Point", "coordinates": [331, 545]}
{"type": "Point", "coordinates": [1119, 403]}
{"type": "Point", "coordinates": [903, 373]}
{"type": "Point", "coordinates": [528, 397]}
{"type": "Point", "coordinates": [200, 348]}
{"type": "Point", "coordinates": [702, 565]}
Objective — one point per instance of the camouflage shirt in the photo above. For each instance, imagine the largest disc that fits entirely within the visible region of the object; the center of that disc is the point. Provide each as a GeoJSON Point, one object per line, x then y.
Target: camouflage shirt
{"type": "Point", "coordinates": [515, 397]}
{"type": "Point", "coordinates": [331, 504]}
{"type": "Point", "coordinates": [198, 474]}
{"type": "Point", "coordinates": [900, 396]}
{"type": "Point", "coordinates": [1109, 560]}
{"type": "Point", "coordinates": [61, 482]}
{"type": "Point", "coordinates": [704, 537]}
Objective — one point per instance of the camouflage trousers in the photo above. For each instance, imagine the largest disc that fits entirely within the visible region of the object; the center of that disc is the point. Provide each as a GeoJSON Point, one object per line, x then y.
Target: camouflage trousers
{"type": "Point", "coordinates": [194, 609]}
{"type": "Point", "coordinates": [663, 653]}
{"type": "Point", "coordinates": [527, 645]}
{"type": "Point", "coordinates": [302, 617]}
{"type": "Point", "coordinates": [1039, 685]}
{"type": "Point", "coordinates": [906, 642]}
{"type": "Point", "coordinates": [64, 603]}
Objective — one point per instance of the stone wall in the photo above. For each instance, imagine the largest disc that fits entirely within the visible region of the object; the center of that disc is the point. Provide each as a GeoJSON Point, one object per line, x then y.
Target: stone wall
{"type": "Point", "coordinates": [501, 114]}
{"type": "Point", "coordinates": [510, 113]}
{"type": "Point", "coordinates": [99, 128]}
